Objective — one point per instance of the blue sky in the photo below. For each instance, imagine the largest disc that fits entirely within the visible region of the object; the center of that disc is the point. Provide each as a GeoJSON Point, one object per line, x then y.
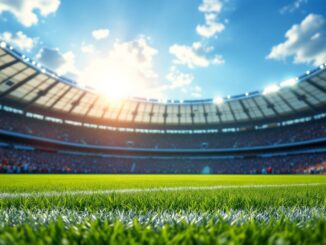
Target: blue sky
{"type": "Point", "coordinates": [177, 49]}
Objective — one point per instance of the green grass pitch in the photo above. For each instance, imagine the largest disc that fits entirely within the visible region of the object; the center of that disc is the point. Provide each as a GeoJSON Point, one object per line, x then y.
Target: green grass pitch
{"type": "Point", "coordinates": [162, 209]}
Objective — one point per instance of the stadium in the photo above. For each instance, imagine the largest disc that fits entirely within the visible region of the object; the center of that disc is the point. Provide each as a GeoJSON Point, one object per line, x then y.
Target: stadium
{"type": "Point", "coordinates": [77, 167]}
{"type": "Point", "coordinates": [278, 130]}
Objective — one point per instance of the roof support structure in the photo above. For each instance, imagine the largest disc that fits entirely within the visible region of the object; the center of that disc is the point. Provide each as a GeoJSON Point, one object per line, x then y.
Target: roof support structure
{"type": "Point", "coordinates": [76, 102]}
{"type": "Point", "coordinates": [179, 115]}
{"type": "Point", "coordinates": [42, 93]}
{"type": "Point", "coordinates": [219, 113]}
{"type": "Point", "coordinates": [91, 106]}
{"type": "Point", "coordinates": [6, 65]}
{"type": "Point", "coordinates": [321, 78]}
{"type": "Point", "coordinates": [259, 108]}
{"type": "Point", "coordinates": [271, 105]}
{"type": "Point", "coordinates": [287, 103]}
{"type": "Point", "coordinates": [120, 109]}
{"type": "Point", "coordinates": [232, 112]}
{"type": "Point", "coordinates": [33, 89]}
{"type": "Point", "coordinates": [134, 113]}
{"type": "Point", "coordinates": [105, 110]}
{"type": "Point", "coordinates": [17, 85]}
{"type": "Point", "coordinates": [317, 85]}
{"type": "Point", "coordinates": [60, 97]}
{"type": "Point", "coordinates": [12, 76]}
{"type": "Point", "coordinates": [3, 55]}
{"type": "Point", "coordinates": [205, 114]}
{"type": "Point", "coordinates": [151, 114]}
{"type": "Point", "coordinates": [309, 93]}
{"type": "Point", "coordinates": [192, 114]}
{"type": "Point", "coordinates": [245, 109]}
{"type": "Point", "coordinates": [303, 98]}
{"type": "Point", "coordinates": [165, 114]}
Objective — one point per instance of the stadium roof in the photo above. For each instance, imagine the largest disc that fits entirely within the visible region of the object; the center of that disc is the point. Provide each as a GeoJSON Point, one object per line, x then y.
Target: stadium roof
{"type": "Point", "coordinates": [27, 84]}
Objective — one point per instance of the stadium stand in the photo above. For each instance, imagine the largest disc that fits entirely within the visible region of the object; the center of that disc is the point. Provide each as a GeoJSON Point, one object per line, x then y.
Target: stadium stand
{"type": "Point", "coordinates": [33, 161]}
{"type": "Point", "coordinates": [78, 134]}
{"type": "Point", "coordinates": [48, 124]}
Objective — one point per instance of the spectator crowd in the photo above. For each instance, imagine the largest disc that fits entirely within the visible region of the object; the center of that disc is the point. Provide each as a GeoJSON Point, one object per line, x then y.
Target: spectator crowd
{"type": "Point", "coordinates": [97, 136]}
{"type": "Point", "coordinates": [53, 161]}
{"type": "Point", "coordinates": [36, 161]}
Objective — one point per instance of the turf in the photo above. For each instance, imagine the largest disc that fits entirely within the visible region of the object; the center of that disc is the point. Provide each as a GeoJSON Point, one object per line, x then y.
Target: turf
{"type": "Point", "coordinates": [248, 215]}
{"type": "Point", "coordinates": [20, 183]}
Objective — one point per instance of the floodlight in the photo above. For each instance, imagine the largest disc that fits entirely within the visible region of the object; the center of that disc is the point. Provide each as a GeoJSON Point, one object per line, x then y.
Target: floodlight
{"type": "Point", "coordinates": [271, 89]}
{"type": "Point", "coordinates": [3, 45]}
{"type": "Point", "coordinates": [218, 100]}
{"type": "Point", "coordinates": [289, 83]}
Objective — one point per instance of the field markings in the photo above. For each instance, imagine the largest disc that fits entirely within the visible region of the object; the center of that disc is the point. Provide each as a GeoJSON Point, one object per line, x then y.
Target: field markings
{"type": "Point", "coordinates": [35, 217]}
{"type": "Point", "coordinates": [154, 189]}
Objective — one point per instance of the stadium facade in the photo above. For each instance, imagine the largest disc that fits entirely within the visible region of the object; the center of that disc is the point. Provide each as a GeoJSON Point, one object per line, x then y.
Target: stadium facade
{"type": "Point", "coordinates": [55, 125]}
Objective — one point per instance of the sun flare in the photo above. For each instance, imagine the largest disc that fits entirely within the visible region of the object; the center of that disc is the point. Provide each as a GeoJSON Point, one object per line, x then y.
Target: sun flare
{"type": "Point", "coordinates": [126, 70]}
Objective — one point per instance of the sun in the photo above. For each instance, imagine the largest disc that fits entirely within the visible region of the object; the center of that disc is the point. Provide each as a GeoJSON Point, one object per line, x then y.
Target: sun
{"type": "Point", "coordinates": [124, 71]}
{"type": "Point", "coordinates": [112, 79]}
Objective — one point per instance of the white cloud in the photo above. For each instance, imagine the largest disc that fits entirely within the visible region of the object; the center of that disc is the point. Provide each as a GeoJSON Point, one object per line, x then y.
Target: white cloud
{"type": "Point", "coordinates": [178, 79]}
{"type": "Point", "coordinates": [208, 6]}
{"type": "Point", "coordinates": [211, 10]}
{"type": "Point", "coordinates": [293, 7]}
{"type": "Point", "coordinates": [196, 45]}
{"type": "Point", "coordinates": [139, 54]}
{"type": "Point", "coordinates": [186, 55]}
{"type": "Point", "coordinates": [87, 48]}
{"type": "Point", "coordinates": [199, 53]}
{"type": "Point", "coordinates": [316, 36]}
{"type": "Point", "coordinates": [27, 11]}
{"type": "Point", "coordinates": [194, 56]}
{"type": "Point", "coordinates": [217, 60]}
{"type": "Point", "coordinates": [126, 70]}
{"type": "Point", "coordinates": [196, 91]}
{"type": "Point", "coordinates": [209, 30]}
{"type": "Point", "coordinates": [19, 40]}
{"type": "Point", "coordinates": [100, 33]}
{"type": "Point", "coordinates": [62, 63]}
{"type": "Point", "coordinates": [305, 42]}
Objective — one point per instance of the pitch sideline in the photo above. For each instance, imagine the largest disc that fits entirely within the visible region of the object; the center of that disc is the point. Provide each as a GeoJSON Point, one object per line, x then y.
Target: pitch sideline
{"type": "Point", "coordinates": [155, 189]}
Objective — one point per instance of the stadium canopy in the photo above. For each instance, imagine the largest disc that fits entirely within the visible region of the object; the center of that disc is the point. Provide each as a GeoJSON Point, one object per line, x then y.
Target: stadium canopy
{"type": "Point", "coordinates": [28, 85]}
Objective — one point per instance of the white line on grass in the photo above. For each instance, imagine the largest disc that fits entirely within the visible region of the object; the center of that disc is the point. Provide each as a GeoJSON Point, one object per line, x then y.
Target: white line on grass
{"type": "Point", "coordinates": [154, 189]}
{"type": "Point", "coordinates": [35, 217]}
